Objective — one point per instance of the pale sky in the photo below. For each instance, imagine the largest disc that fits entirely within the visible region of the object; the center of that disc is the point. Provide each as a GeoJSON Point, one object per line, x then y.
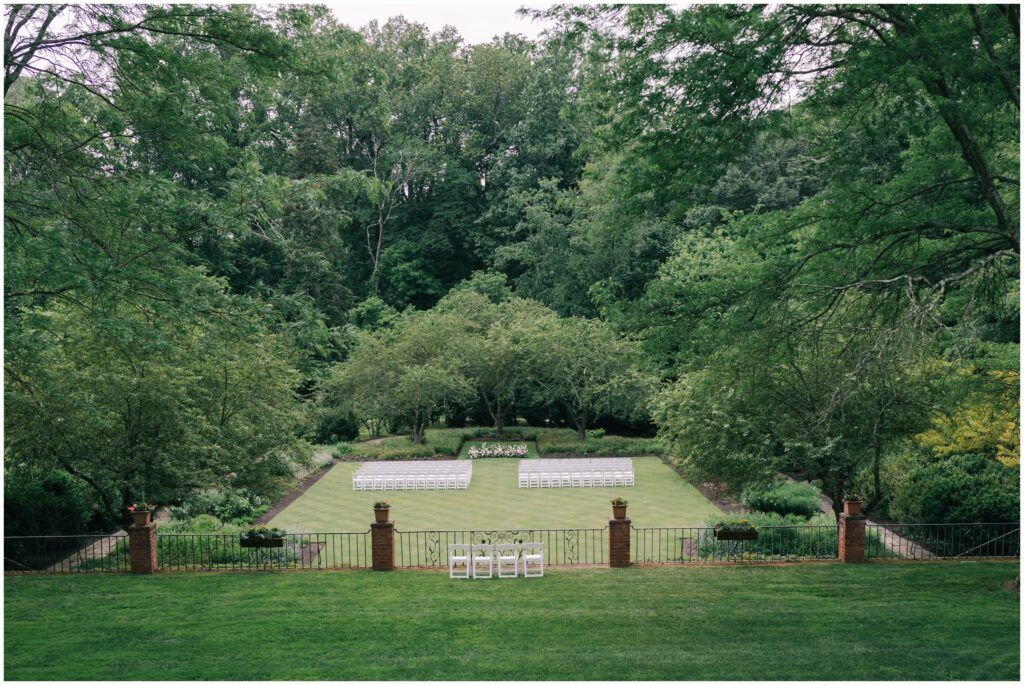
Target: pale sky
{"type": "Point", "coordinates": [477, 22]}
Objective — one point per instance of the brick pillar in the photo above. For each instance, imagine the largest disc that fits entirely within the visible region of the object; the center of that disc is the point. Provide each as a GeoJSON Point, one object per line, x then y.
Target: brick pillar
{"type": "Point", "coordinates": [851, 533]}
{"type": "Point", "coordinates": [142, 547]}
{"type": "Point", "coordinates": [618, 542]}
{"type": "Point", "coordinates": [383, 546]}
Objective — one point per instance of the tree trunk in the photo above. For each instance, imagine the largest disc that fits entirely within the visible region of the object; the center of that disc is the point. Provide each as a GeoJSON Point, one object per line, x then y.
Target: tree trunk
{"type": "Point", "coordinates": [581, 425]}
{"type": "Point", "coordinates": [499, 421]}
{"type": "Point", "coordinates": [418, 429]}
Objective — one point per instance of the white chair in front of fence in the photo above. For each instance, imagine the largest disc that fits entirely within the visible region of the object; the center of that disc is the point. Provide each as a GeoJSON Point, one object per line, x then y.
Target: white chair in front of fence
{"type": "Point", "coordinates": [533, 559]}
{"type": "Point", "coordinates": [508, 554]}
{"type": "Point", "coordinates": [458, 555]}
{"type": "Point", "coordinates": [483, 555]}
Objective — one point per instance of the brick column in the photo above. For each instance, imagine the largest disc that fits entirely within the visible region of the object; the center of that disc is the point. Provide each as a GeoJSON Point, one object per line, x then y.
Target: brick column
{"type": "Point", "coordinates": [851, 533]}
{"type": "Point", "coordinates": [618, 542]}
{"type": "Point", "coordinates": [142, 547]}
{"type": "Point", "coordinates": [383, 546]}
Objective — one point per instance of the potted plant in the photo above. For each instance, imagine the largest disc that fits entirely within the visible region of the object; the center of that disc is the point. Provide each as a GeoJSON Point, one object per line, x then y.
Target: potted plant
{"type": "Point", "coordinates": [619, 507]}
{"type": "Point", "coordinates": [852, 503]}
{"type": "Point", "coordinates": [263, 537]}
{"type": "Point", "coordinates": [380, 511]}
{"type": "Point", "coordinates": [740, 529]}
{"type": "Point", "coordinates": [142, 513]}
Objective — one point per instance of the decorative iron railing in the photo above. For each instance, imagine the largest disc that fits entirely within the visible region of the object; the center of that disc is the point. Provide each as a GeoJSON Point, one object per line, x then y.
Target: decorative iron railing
{"type": "Point", "coordinates": [310, 551]}
{"type": "Point", "coordinates": [700, 545]}
{"type": "Point", "coordinates": [562, 546]}
{"type": "Point", "coordinates": [943, 540]}
{"type": "Point", "coordinates": [66, 553]}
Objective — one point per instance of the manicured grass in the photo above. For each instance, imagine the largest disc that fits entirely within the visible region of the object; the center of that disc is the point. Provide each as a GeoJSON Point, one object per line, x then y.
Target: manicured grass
{"type": "Point", "coordinates": [495, 501]}
{"type": "Point", "coordinates": [925, 621]}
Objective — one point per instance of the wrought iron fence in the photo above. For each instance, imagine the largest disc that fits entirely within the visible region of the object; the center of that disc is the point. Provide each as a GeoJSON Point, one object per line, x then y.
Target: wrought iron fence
{"type": "Point", "coordinates": [700, 545]}
{"type": "Point", "coordinates": [943, 540]}
{"type": "Point", "coordinates": [562, 546]}
{"type": "Point", "coordinates": [311, 551]}
{"type": "Point", "coordinates": [66, 553]}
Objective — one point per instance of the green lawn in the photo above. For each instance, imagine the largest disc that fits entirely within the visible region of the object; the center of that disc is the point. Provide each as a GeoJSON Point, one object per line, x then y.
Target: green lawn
{"type": "Point", "coordinates": [494, 501]}
{"type": "Point", "coordinates": [926, 621]}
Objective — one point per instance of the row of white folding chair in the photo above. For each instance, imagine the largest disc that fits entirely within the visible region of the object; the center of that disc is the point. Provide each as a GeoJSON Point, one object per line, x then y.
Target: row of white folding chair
{"type": "Point", "coordinates": [450, 481]}
{"type": "Point", "coordinates": [466, 561]}
{"type": "Point", "coordinates": [373, 470]}
{"type": "Point", "coordinates": [407, 467]}
{"type": "Point", "coordinates": [576, 465]}
{"type": "Point", "coordinates": [572, 479]}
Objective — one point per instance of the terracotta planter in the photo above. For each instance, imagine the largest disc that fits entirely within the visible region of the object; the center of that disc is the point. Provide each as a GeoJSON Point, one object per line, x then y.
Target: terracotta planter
{"type": "Point", "coordinates": [381, 515]}
{"type": "Point", "coordinates": [619, 511]}
{"type": "Point", "coordinates": [852, 507]}
{"type": "Point", "coordinates": [261, 542]}
{"type": "Point", "coordinates": [735, 534]}
{"type": "Point", "coordinates": [141, 518]}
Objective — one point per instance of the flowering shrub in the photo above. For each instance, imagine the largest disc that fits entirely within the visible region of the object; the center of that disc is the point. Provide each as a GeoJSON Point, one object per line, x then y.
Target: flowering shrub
{"type": "Point", "coordinates": [264, 533]}
{"type": "Point", "coordinates": [382, 504]}
{"type": "Point", "coordinates": [142, 506]}
{"type": "Point", "coordinates": [485, 450]}
{"type": "Point", "coordinates": [736, 525]}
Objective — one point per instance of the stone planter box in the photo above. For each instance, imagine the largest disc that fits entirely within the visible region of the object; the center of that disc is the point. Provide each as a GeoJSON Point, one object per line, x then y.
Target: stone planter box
{"type": "Point", "coordinates": [262, 542]}
{"type": "Point", "coordinates": [735, 534]}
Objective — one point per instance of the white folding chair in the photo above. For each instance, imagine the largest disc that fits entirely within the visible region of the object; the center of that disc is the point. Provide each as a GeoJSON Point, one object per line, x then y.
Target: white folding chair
{"type": "Point", "coordinates": [389, 482]}
{"type": "Point", "coordinates": [534, 479]}
{"type": "Point", "coordinates": [544, 480]}
{"type": "Point", "coordinates": [533, 559]}
{"type": "Point", "coordinates": [630, 478]}
{"type": "Point", "coordinates": [577, 480]}
{"type": "Point", "coordinates": [458, 555]}
{"type": "Point", "coordinates": [566, 479]}
{"type": "Point", "coordinates": [421, 481]}
{"type": "Point", "coordinates": [608, 478]}
{"type": "Point", "coordinates": [463, 481]}
{"type": "Point", "coordinates": [524, 482]}
{"type": "Point", "coordinates": [619, 478]}
{"type": "Point", "coordinates": [451, 481]}
{"type": "Point", "coordinates": [508, 553]}
{"type": "Point", "coordinates": [378, 482]}
{"type": "Point", "coordinates": [432, 481]}
{"type": "Point", "coordinates": [357, 482]}
{"type": "Point", "coordinates": [483, 554]}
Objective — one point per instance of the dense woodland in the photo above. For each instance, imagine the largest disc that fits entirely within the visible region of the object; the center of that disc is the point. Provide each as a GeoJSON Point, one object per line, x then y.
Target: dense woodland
{"type": "Point", "coordinates": [783, 239]}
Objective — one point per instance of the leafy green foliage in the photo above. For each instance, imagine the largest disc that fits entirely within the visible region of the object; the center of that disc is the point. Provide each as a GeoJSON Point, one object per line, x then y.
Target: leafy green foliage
{"type": "Point", "coordinates": [783, 498]}
{"type": "Point", "coordinates": [962, 488]}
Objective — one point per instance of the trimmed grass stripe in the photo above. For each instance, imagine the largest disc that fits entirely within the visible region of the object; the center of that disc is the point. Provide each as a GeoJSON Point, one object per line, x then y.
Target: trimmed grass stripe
{"type": "Point", "coordinates": [914, 621]}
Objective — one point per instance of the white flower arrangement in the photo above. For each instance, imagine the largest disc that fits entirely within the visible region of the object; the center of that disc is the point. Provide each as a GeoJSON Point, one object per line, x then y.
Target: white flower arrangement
{"type": "Point", "coordinates": [491, 451]}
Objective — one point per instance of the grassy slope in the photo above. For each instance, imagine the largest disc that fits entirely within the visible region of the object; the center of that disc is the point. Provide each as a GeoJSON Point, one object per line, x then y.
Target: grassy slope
{"type": "Point", "coordinates": [877, 622]}
{"type": "Point", "coordinates": [494, 500]}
